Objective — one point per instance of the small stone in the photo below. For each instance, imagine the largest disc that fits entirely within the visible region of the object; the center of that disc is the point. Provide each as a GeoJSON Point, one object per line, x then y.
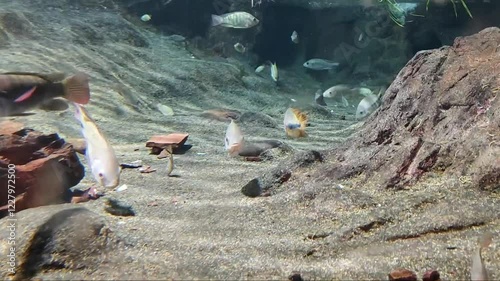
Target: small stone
{"type": "Point", "coordinates": [252, 188]}
{"type": "Point", "coordinates": [295, 276]}
{"type": "Point", "coordinates": [221, 114]}
{"type": "Point", "coordinates": [122, 188]}
{"type": "Point", "coordinates": [118, 208]}
{"type": "Point", "coordinates": [431, 275]}
{"type": "Point", "coordinates": [402, 275]}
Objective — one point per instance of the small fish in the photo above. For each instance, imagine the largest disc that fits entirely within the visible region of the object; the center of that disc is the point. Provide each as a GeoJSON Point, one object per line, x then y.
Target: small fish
{"type": "Point", "coordinates": [274, 72]}
{"type": "Point", "coordinates": [360, 37]}
{"type": "Point", "coordinates": [295, 123]}
{"type": "Point", "coordinates": [320, 64]}
{"type": "Point", "coordinates": [363, 91]}
{"type": "Point", "coordinates": [22, 91]}
{"type": "Point", "coordinates": [478, 270]}
{"type": "Point", "coordinates": [365, 106]}
{"type": "Point", "coordinates": [165, 109]}
{"type": "Point", "coordinates": [260, 68]}
{"type": "Point", "coordinates": [235, 20]}
{"type": "Point", "coordinates": [234, 139]}
{"type": "Point", "coordinates": [239, 48]}
{"type": "Point", "coordinates": [319, 99]}
{"type": "Point", "coordinates": [295, 37]}
{"type": "Point", "coordinates": [333, 91]}
{"type": "Point", "coordinates": [99, 154]}
{"type": "Point", "coordinates": [146, 17]}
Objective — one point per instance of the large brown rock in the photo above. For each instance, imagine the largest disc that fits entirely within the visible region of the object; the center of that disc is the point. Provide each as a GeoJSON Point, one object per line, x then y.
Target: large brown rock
{"type": "Point", "coordinates": [441, 115]}
{"type": "Point", "coordinates": [45, 168]}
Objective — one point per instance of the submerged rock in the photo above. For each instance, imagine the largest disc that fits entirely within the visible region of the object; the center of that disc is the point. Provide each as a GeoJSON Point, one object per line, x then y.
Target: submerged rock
{"type": "Point", "coordinates": [440, 115]}
{"type": "Point", "coordinates": [43, 168]}
{"type": "Point", "coordinates": [280, 174]}
{"type": "Point", "coordinates": [55, 238]}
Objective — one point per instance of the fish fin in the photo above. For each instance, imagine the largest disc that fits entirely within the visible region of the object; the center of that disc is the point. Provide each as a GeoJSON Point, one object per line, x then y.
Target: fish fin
{"type": "Point", "coordinates": [217, 20]}
{"type": "Point", "coordinates": [235, 149]}
{"type": "Point", "coordinates": [485, 240]}
{"type": "Point", "coordinates": [302, 117]}
{"type": "Point", "coordinates": [26, 95]}
{"type": "Point", "coordinates": [76, 88]}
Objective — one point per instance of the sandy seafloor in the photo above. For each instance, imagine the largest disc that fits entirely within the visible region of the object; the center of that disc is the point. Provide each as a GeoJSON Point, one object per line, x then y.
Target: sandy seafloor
{"type": "Point", "coordinates": [202, 226]}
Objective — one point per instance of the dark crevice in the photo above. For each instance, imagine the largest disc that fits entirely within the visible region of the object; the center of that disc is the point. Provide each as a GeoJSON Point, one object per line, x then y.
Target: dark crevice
{"type": "Point", "coordinates": [436, 231]}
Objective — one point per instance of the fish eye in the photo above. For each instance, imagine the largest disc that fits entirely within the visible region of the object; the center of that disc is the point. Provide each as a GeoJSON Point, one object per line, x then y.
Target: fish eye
{"type": "Point", "coordinates": [101, 175]}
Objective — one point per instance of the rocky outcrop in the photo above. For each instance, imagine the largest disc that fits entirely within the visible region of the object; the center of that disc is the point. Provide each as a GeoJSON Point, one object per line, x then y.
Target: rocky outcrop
{"type": "Point", "coordinates": [54, 238]}
{"type": "Point", "coordinates": [440, 116]}
{"type": "Point", "coordinates": [35, 168]}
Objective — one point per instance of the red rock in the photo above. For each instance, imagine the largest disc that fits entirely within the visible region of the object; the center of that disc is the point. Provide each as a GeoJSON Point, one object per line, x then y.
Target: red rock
{"type": "Point", "coordinates": [160, 142]}
{"type": "Point", "coordinates": [431, 275]}
{"type": "Point", "coordinates": [45, 168]}
{"type": "Point", "coordinates": [10, 127]}
{"type": "Point", "coordinates": [402, 275]}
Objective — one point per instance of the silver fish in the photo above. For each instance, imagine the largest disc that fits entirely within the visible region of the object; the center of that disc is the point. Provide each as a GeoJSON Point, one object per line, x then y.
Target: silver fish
{"type": "Point", "coordinates": [99, 153]}
{"type": "Point", "coordinates": [274, 72]}
{"type": "Point", "coordinates": [235, 20]}
{"type": "Point", "coordinates": [239, 48]}
{"type": "Point", "coordinates": [295, 37]}
{"type": "Point", "coordinates": [365, 106]}
{"type": "Point", "coordinates": [334, 90]}
{"type": "Point", "coordinates": [320, 64]}
{"type": "Point", "coordinates": [260, 68]}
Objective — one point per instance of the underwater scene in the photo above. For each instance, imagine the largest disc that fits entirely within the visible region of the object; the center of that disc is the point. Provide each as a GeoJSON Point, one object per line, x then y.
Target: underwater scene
{"type": "Point", "coordinates": [250, 140]}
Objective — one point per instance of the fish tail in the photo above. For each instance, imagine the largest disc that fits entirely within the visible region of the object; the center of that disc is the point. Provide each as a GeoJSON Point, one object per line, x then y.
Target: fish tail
{"type": "Point", "coordinates": [485, 240]}
{"type": "Point", "coordinates": [76, 88]}
{"type": "Point", "coordinates": [217, 20]}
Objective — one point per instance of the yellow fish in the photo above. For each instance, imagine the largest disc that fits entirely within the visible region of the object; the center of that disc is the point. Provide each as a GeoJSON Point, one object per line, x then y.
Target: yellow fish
{"type": "Point", "coordinates": [295, 123]}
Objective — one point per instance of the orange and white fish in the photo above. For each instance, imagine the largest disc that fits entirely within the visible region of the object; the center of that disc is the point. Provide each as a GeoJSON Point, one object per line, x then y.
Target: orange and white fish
{"type": "Point", "coordinates": [295, 123]}
{"type": "Point", "coordinates": [478, 270]}
{"type": "Point", "coordinates": [234, 139]}
{"type": "Point", "coordinates": [22, 91]}
{"type": "Point", "coordinates": [99, 153]}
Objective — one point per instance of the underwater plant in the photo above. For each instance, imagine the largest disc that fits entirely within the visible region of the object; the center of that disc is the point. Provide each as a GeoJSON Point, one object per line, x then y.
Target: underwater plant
{"type": "Point", "coordinates": [397, 14]}
{"type": "Point", "coordinates": [454, 7]}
